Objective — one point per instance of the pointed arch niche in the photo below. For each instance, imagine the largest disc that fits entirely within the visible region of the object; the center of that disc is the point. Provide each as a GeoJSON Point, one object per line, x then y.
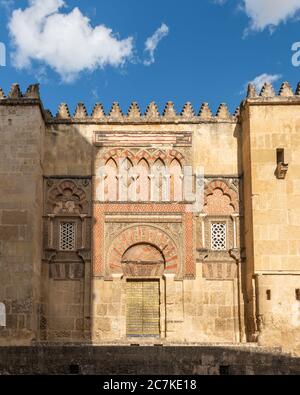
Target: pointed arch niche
{"type": "Point", "coordinates": [176, 181]}
{"type": "Point", "coordinates": [143, 181]}
{"type": "Point", "coordinates": [159, 173]}
{"type": "Point", "coordinates": [111, 182]}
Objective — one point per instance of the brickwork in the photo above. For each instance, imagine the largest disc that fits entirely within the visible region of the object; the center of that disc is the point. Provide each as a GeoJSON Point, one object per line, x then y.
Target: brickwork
{"type": "Point", "coordinates": [100, 210]}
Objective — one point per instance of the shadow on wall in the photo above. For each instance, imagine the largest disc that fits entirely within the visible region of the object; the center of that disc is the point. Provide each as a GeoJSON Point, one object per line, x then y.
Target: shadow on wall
{"type": "Point", "coordinates": [133, 360]}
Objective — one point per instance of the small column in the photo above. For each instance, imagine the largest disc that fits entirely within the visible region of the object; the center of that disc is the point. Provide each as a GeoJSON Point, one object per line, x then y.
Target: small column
{"type": "Point", "coordinates": [234, 219]}
{"type": "Point", "coordinates": [263, 304]}
{"type": "Point", "coordinates": [83, 226]}
{"type": "Point", "coordinates": [166, 188]}
{"type": "Point", "coordinates": [121, 190]}
{"type": "Point", "coordinates": [181, 177]}
{"type": "Point", "coordinates": [152, 187]}
{"type": "Point", "coordinates": [203, 216]}
{"type": "Point", "coordinates": [50, 230]}
{"type": "Point", "coordinates": [132, 191]}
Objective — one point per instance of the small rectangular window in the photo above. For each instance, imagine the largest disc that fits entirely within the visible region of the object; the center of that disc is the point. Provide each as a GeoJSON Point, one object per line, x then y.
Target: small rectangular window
{"type": "Point", "coordinates": [218, 236]}
{"type": "Point", "coordinates": [297, 292]}
{"type": "Point", "coordinates": [280, 155]}
{"type": "Point", "coordinates": [224, 370]}
{"type": "Point", "coordinates": [268, 294]}
{"type": "Point", "coordinates": [2, 314]}
{"type": "Point", "coordinates": [67, 236]}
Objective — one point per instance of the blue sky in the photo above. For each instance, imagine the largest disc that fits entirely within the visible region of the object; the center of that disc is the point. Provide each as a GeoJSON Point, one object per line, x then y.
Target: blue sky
{"type": "Point", "coordinates": [206, 51]}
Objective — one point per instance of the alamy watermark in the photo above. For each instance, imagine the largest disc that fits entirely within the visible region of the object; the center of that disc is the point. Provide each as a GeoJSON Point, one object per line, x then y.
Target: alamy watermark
{"type": "Point", "coordinates": [2, 55]}
{"type": "Point", "coordinates": [296, 57]}
{"type": "Point", "coordinates": [133, 184]}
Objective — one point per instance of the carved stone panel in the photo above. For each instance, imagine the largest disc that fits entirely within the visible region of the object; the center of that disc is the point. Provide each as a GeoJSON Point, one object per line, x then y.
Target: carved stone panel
{"type": "Point", "coordinates": [67, 226]}
{"type": "Point", "coordinates": [67, 196]}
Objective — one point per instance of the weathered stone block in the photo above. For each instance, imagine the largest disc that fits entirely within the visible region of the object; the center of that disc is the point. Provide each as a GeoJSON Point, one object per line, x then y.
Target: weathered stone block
{"type": "Point", "coordinates": [225, 311]}
{"type": "Point", "coordinates": [220, 324]}
{"type": "Point", "coordinates": [103, 324]}
{"type": "Point", "coordinates": [13, 217]}
{"type": "Point", "coordinates": [12, 321]}
{"type": "Point", "coordinates": [9, 232]}
{"type": "Point", "coordinates": [101, 309]}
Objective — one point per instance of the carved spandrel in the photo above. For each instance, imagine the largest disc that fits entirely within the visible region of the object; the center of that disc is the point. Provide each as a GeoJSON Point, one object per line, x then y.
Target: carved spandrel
{"type": "Point", "coordinates": [69, 196]}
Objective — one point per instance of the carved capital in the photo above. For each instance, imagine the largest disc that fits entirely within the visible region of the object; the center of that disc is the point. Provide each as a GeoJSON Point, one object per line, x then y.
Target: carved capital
{"type": "Point", "coordinates": [235, 253]}
{"type": "Point", "coordinates": [84, 254]}
{"type": "Point", "coordinates": [281, 170]}
{"type": "Point", "coordinates": [203, 253]}
{"type": "Point", "coordinates": [49, 255]}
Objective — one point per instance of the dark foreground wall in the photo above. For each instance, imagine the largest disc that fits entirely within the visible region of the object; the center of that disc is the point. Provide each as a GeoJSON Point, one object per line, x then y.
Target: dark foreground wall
{"type": "Point", "coordinates": [107, 360]}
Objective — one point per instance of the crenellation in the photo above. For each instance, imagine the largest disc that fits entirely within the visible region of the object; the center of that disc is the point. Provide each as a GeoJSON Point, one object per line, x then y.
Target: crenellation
{"type": "Point", "coordinates": [63, 111]}
{"type": "Point", "coordinates": [188, 111]}
{"type": "Point", "coordinates": [267, 90]}
{"type": "Point", "coordinates": [33, 92]}
{"type": "Point", "coordinates": [223, 112]}
{"type": "Point", "coordinates": [152, 113]}
{"type": "Point", "coordinates": [80, 111]}
{"type": "Point", "coordinates": [98, 112]}
{"type": "Point", "coordinates": [48, 115]}
{"type": "Point", "coordinates": [15, 92]}
{"type": "Point", "coordinates": [286, 90]}
{"type": "Point", "coordinates": [115, 113]}
{"type": "Point", "coordinates": [251, 91]}
{"type": "Point", "coordinates": [205, 112]}
{"type": "Point", "coordinates": [237, 113]}
{"type": "Point", "coordinates": [169, 111]}
{"type": "Point", "coordinates": [134, 111]}
{"type": "Point", "coordinates": [2, 95]}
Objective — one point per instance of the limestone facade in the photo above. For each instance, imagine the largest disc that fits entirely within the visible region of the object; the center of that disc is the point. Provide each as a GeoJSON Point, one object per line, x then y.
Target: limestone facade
{"type": "Point", "coordinates": [200, 242]}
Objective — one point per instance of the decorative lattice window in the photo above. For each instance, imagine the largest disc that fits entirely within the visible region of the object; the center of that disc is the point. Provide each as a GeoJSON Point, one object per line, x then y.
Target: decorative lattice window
{"type": "Point", "coordinates": [218, 236]}
{"type": "Point", "coordinates": [67, 236]}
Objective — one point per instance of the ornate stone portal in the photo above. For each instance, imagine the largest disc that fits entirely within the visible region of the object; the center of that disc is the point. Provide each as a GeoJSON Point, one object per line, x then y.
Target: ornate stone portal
{"type": "Point", "coordinates": [147, 236]}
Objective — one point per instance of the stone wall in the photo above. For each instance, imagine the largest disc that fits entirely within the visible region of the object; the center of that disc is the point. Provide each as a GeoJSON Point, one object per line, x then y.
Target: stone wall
{"type": "Point", "coordinates": [22, 132]}
{"type": "Point", "coordinates": [199, 310]}
{"type": "Point", "coordinates": [230, 295]}
{"type": "Point", "coordinates": [272, 210]}
{"type": "Point", "coordinates": [62, 310]}
{"type": "Point", "coordinates": [180, 360]}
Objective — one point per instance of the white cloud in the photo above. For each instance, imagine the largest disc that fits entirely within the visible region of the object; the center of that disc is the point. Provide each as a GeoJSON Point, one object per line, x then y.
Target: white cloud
{"type": "Point", "coordinates": [260, 80]}
{"type": "Point", "coordinates": [64, 41]}
{"type": "Point", "coordinates": [270, 13]}
{"type": "Point", "coordinates": [153, 41]}
{"type": "Point", "coordinates": [267, 13]}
